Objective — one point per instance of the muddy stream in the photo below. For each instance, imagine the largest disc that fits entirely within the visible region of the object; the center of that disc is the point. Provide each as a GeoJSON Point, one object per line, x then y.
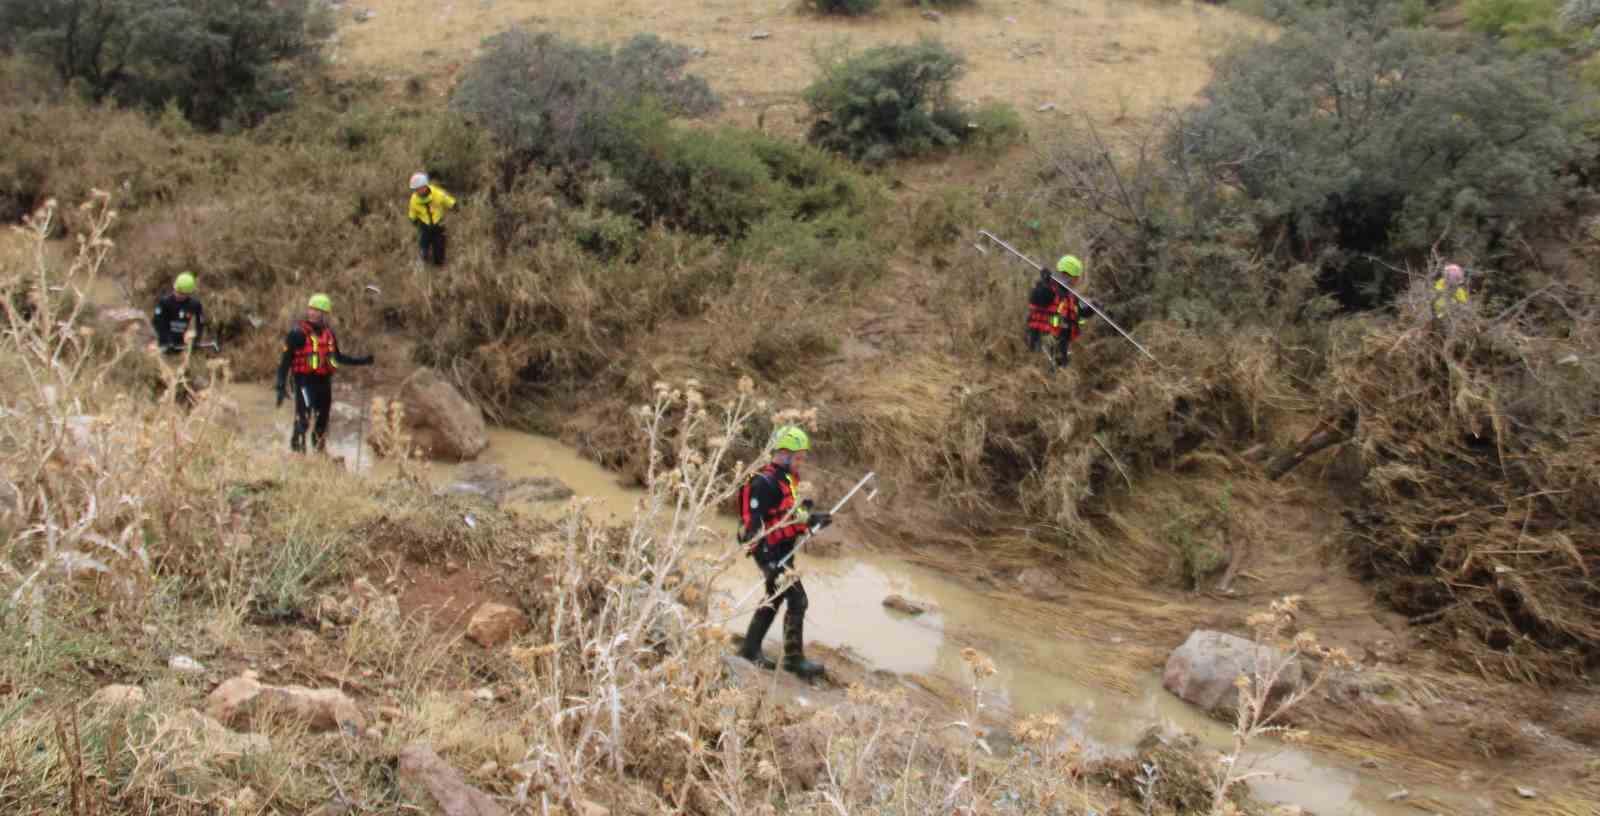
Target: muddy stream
{"type": "Point", "coordinates": [1035, 674]}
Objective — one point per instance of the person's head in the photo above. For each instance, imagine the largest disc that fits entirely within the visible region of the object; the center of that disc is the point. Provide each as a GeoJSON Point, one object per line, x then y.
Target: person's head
{"type": "Point", "coordinates": [790, 445]}
{"type": "Point", "coordinates": [419, 184]}
{"type": "Point", "coordinates": [1070, 266]}
{"type": "Point", "coordinates": [1454, 274]}
{"type": "Point", "coordinates": [184, 286]}
{"type": "Point", "coordinates": [318, 309]}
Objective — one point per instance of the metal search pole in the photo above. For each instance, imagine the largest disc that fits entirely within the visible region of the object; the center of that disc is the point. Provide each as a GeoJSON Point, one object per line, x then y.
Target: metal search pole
{"type": "Point", "coordinates": [872, 494]}
{"type": "Point", "coordinates": [1064, 285]}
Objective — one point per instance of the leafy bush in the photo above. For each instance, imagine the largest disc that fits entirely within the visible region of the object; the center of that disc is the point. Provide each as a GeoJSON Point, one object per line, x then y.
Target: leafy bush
{"type": "Point", "coordinates": [893, 100]}
{"type": "Point", "coordinates": [849, 7]}
{"type": "Point", "coordinates": [1368, 140]}
{"type": "Point", "coordinates": [1526, 25]}
{"type": "Point", "coordinates": [221, 61]}
{"type": "Point", "coordinates": [545, 98]}
{"type": "Point", "coordinates": [942, 3]}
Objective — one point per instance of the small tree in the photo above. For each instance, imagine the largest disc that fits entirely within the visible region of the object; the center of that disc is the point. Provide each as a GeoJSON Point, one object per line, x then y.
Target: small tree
{"type": "Point", "coordinates": [847, 7]}
{"type": "Point", "coordinates": [1353, 136]}
{"type": "Point", "coordinates": [219, 61]}
{"type": "Point", "coordinates": [546, 98]}
{"type": "Point", "coordinates": [889, 101]}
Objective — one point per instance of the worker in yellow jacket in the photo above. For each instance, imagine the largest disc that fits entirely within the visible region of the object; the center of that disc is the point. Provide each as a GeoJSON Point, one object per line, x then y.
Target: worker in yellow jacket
{"type": "Point", "coordinates": [429, 202]}
{"type": "Point", "coordinates": [1450, 288]}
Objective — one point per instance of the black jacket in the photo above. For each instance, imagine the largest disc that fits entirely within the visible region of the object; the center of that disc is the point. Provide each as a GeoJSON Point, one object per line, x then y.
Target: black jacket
{"type": "Point", "coordinates": [172, 318]}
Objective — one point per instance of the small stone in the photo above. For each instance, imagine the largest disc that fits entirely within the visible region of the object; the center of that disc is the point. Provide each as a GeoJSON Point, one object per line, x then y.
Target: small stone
{"type": "Point", "coordinates": [1399, 795]}
{"type": "Point", "coordinates": [1570, 359]}
{"type": "Point", "coordinates": [363, 15]}
{"type": "Point", "coordinates": [493, 624]}
{"type": "Point", "coordinates": [116, 695]}
{"type": "Point", "coordinates": [483, 695]}
{"type": "Point", "coordinates": [1046, 107]}
{"type": "Point", "coordinates": [489, 768]}
{"type": "Point", "coordinates": [374, 733]}
{"type": "Point", "coordinates": [1369, 763]}
{"type": "Point", "coordinates": [186, 664]}
{"type": "Point", "coordinates": [760, 35]}
{"type": "Point", "coordinates": [693, 52]}
{"type": "Point", "coordinates": [1527, 793]}
{"type": "Point", "coordinates": [932, 16]}
{"type": "Point", "coordinates": [391, 713]}
{"type": "Point", "coordinates": [905, 605]}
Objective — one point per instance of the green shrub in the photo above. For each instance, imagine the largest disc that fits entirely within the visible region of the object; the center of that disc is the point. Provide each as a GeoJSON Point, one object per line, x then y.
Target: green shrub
{"type": "Point", "coordinates": [1526, 25]}
{"type": "Point", "coordinates": [942, 4]}
{"type": "Point", "coordinates": [995, 126]}
{"type": "Point", "coordinates": [888, 101]}
{"type": "Point", "coordinates": [1374, 141]}
{"type": "Point", "coordinates": [546, 98]}
{"type": "Point", "coordinates": [222, 62]}
{"type": "Point", "coordinates": [848, 7]}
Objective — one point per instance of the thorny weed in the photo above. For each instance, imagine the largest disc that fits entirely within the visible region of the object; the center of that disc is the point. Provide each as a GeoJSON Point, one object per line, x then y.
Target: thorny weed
{"type": "Point", "coordinates": [1265, 694]}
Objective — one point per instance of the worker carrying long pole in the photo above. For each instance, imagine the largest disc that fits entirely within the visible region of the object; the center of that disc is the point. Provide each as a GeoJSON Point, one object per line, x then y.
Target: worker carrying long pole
{"type": "Point", "coordinates": [1065, 284]}
{"type": "Point", "coordinates": [1053, 310]}
{"type": "Point", "coordinates": [767, 504]}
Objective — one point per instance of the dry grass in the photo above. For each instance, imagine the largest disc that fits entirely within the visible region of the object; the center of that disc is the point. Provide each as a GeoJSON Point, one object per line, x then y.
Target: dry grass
{"type": "Point", "coordinates": [1116, 60]}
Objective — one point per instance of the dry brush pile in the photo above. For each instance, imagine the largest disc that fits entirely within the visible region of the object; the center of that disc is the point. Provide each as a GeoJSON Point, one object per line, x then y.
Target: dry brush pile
{"type": "Point", "coordinates": [1479, 510]}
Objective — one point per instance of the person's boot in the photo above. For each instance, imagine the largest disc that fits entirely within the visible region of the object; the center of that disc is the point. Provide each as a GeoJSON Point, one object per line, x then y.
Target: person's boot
{"type": "Point", "coordinates": [760, 622]}
{"type": "Point", "coordinates": [794, 656]}
{"type": "Point", "coordinates": [297, 442]}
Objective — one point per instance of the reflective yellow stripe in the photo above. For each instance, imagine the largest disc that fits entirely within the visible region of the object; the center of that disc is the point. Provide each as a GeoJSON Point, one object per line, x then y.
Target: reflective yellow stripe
{"type": "Point", "coordinates": [312, 360]}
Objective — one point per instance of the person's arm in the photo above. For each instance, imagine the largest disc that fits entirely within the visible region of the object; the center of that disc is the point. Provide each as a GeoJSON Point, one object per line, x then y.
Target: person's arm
{"type": "Point", "coordinates": [199, 322]}
{"type": "Point", "coordinates": [344, 359]}
{"type": "Point", "coordinates": [158, 321]}
{"type": "Point", "coordinates": [449, 201]}
{"type": "Point", "coordinates": [293, 341]}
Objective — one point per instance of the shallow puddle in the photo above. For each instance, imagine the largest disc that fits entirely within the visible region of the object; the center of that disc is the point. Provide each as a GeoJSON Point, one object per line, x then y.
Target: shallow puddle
{"type": "Point", "coordinates": [847, 612]}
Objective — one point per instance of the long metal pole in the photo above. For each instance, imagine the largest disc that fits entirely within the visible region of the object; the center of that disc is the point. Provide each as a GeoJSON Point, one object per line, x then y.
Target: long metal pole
{"type": "Point", "coordinates": [1064, 285]}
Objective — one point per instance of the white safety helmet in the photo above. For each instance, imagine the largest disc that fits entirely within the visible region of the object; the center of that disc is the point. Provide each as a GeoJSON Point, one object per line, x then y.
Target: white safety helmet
{"type": "Point", "coordinates": [419, 181]}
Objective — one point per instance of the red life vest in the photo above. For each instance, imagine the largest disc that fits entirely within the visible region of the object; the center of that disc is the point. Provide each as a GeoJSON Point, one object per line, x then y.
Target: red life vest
{"type": "Point", "coordinates": [777, 536]}
{"type": "Point", "coordinates": [317, 355]}
{"type": "Point", "coordinates": [1062, 312]}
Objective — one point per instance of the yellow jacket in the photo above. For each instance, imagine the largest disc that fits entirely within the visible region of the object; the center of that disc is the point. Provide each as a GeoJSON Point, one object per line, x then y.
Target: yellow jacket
{"type": "Point", "coordinates": [430, 210]}
{"type": "Point", "coordinates": [1442, 302]}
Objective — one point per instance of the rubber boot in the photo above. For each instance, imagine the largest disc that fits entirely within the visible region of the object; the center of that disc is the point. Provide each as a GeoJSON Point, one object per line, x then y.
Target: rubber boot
{"type": "Point", "coordinates": [794, 656]}
{"type": "Point", "coordinates": [760, 622]}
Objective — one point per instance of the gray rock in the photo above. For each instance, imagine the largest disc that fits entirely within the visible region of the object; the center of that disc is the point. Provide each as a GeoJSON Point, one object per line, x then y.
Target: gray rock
{"type": "Point", "coordinates": [1203, 670]}
{"type": "Point", "coordinates": [426, 779]}
{"type": "Point", "coordinates": [932, 16]}
{"type": "Point", "coordinates": [760, 35]}
{"type": "Point", "coordinates": [363, 15]}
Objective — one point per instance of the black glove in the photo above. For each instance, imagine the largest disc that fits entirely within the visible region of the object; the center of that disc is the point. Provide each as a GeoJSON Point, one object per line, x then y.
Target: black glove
{"type": "Point", "coordinates": [360, 361]}
{"type": "Point", "coordinates": [281, 397]}
{"type": "Point", "coordinates": [817, 521]}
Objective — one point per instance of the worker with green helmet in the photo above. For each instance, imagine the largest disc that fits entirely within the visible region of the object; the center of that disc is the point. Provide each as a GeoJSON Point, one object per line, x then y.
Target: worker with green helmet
{"type": "Point", "coordinates": [176, 313]}
{"type": "Point", "coordinates": [772, 524]}
{"type": "Point", "coordinates": [311, 353]}
{"type": "Point", "coordinates": [1054, 310]}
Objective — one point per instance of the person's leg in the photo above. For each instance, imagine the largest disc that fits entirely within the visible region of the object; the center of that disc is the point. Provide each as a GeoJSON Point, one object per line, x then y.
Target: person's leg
{"type": "Point", "coordinates": [794, 633]}
{"type": "Point", "coordinates": [322, 406]}
{"type": "Point", "coordinates": [761, 620]}
{"type": "Point", "coordinates": [1064, 348]}
{"type": "Point", "coordinates": [302, 414]}
{"type": "Point", "coordinates": [438, 245]}
{"type": "Point", "coordinates": [1033, 339]}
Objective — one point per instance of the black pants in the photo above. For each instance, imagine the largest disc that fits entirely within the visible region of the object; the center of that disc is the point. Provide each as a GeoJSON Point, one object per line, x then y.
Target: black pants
{"type": "Point", "coordinates": [1063, 344]}
{"type": "Point", "coordinates": [430, 240]}
{"type": "Point", "coordinates": [313, 394]}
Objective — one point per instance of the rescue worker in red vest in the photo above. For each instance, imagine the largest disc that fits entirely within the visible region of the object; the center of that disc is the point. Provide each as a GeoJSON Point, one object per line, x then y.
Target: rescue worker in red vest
{"type": "Point", "coordinates": [312, 353]}
{"type": "Point", "coordinates": [428, 204]}
{"type": "Point", "coordinates": [1054, 311]}
{"type": "Point", "coordinates": [767, 503]}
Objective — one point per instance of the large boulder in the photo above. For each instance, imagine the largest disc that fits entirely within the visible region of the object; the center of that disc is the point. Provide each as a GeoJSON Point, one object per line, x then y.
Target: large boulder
{"type": "Point", "coordinates": [442, 423]}
{"type": "Point", "coordinates": [236, 701]}
{"type": "Point", "coordinates": [429, 782]}
{"type": "Point", "coordinates": [1204, 669]}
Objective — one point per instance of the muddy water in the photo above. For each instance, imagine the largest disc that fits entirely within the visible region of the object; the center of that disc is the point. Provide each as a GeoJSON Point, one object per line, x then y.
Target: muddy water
{"type": "Point", "coordinates": [846, 593]}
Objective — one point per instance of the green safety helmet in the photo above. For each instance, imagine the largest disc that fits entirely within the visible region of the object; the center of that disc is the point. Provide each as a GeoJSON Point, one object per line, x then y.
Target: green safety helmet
{"type": "Point", "coordinates": [1070, 266]}
{"type": "Point", "coordinates": [791, 438]}
{"type": "Point", "coordinates": [184, 285]}
{"type": "Point", "coordinates": [321, 303]}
